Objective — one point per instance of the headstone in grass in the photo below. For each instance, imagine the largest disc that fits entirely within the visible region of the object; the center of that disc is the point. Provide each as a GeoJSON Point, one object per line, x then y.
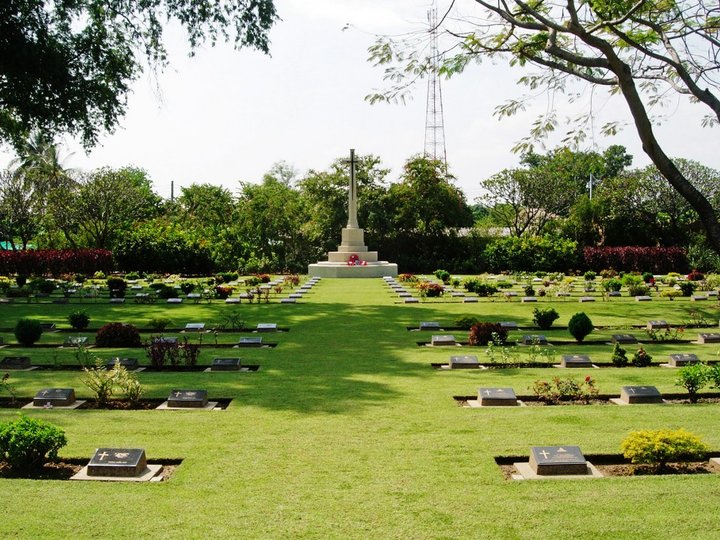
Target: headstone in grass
{"type": "Point", "coordinates": [252, 341]}
{"type": "Point", "coordinates": [411, 300]}
{"type": "Point", "coordinates": [624, 339]}
{"type": "Point", "coordinates": [288, 300]}
{"type": "Point", "coordinates": [643, 298]}
{"type": "Point", "coordinates": [657, 325]}
{"type": "Point", "coordinates": [429, 325]}
{"type": "Point", "coordinates": [195, 327]}
{"type": "Point", "coordinates": [15, 362]}
{"type": "Point", "coordinates": [529, 299]}
{"type": "Point", "coordinates": [584, 299]}
{"type": "Point", "coordinates": [576, 361]}
{"type": "Point", "coordinates": [165, 339]}
{"type": "Point", "coordinates": [266, 327]}
{"type": "Point", "coordinates": [509, 325]}
{"type": "Point", "coordinates": [117, 300]}
{"type": "Point", "coordinates": [640, 394]}
{"type": "Point", "coordinates": [405, 295]}
{"type": "Point", "coordinates": [709, 338]}
{"type": "Point", "coordinates": [497, 397]}
{"type": "Point", "coordinates": [681, 360]}
{"type": "Point", "coordinates": [225, 364]}
{"type": "Point", "coordinates": [614, 294]}
{"type": "Point", "coordinates": [698, 297]}
{"type": "Point", "coordinates": [75, 341]}
{"type": "Point", "coordinates": [468, 361]}
{"type": "Point", "coordinates": [127, 363]}
{"type": "Point", "coordinates": [54, 397]}
{"type": "Point", "coordinates": [470, 300]}
{"type": "Point", "coordinates": [120, 462]}
{"type": "Point", "coordinates": [232, 300]}
{"type": "Point", "coordinates": [174, 300]}
{"type": "Point", "coordinates": [188, 399]}
{"type": "Point", "coordinates": [534, 339]}
{"type": "Point", "coordinates": [295, 296]}
{"type": "Point", "coordinates": [557, 460]}
{"type": "Point", "coordinates": [442, 340]}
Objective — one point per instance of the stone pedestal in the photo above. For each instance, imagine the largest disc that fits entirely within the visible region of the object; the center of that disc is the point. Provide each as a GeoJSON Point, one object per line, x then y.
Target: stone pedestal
{"type": "Point", "coordinates": [353, 243]}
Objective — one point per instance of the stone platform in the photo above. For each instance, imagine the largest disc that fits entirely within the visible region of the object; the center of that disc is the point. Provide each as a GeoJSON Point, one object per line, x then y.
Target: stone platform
{"type": "Point", "coordinates": [343, 270]}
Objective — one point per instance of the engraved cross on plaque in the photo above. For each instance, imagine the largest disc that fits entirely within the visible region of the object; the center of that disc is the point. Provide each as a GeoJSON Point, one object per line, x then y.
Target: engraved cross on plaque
{"type": "Point", "coordinates": [544, 454]}
{"type": "Point", "coordinates": [352, 194]}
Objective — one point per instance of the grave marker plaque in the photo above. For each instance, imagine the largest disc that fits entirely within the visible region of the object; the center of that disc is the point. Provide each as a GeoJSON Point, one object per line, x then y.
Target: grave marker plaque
{"type": "Point", "coordinates": [584, 299]}
{"type": "Point", "coordinates": [614, 294]}
{"type": "Point", "coordinates": [75, 341]}
{"type": "Point", "coordinates": [510, 325]}
{"type": "Point", "coordinates": [470, 300]}
{"type": "Point", "coordinates": [576, 361]}
{"type": "Point", "coordinates": [164, 339]}
{"type": "Point", "coordinates": [534, 339]}
{"type": "Point", "coordinates": [557, 460]}
{"type": "Point", "coordinates": [624, 339]}
{"type": "Point", "coordinates": [709, 338]}
{"type": "Point", "coordinates": [464, 362]}
{"type": "Point", "coordinates": [497, 397]}
{"type": "Point", "coordinates": [429, 325]}
{"type": "Point", "coordinates": [657, 325]}
{"type": "Point", "coordinates": [195, 327]}
{"type": "Point", "coordinates": [698, 297]}
{"type": "Point", "coordinates": [640, 394]}
{"type": "Point", "coordinates": [411, 300]}
{"type": "Point", "coordinates": [188, 398]}
{"type": "Point", "coordinates": [442, 340]}
{"type": "Point", "coordinates": [680, 360]}
{"type": "Point", "coordinates": [253, 341]}
{"type": "Point", "coordinates": [15, 362]}
{"type": "Point", "coordinates": [225, 364]}
{"type": "Point", "coordinates": [266, 327]}
{"type": "Point", "coordinates": [174, 301]}
{"type": "Point", "coordinates": [55, 397]}
{"type": "Point", "coordinates": [527, 299]}
{"type": "Point", "coordinates": [127, 363]}
{"type": "Point", "coordinates": [643, 298]}
{"type": "Point", "coordinates": [122, 462]}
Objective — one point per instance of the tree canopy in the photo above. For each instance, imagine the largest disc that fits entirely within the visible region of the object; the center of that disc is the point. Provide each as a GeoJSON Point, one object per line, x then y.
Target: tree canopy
{"type": "Point", "coordinates": [66, 65]}
{"type": "Point", "coordinates": [642, 50]}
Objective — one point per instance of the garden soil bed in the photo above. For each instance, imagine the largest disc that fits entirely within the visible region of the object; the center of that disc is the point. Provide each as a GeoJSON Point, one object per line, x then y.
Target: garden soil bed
{"type": "Point", "coordinates": [603, 399]}
{"type": "Point", "coordinates": [113, 405]}
{"type": "Point", "coordinates": [65, 468]}
{"type": "Point", "coordinates": [613, 465]}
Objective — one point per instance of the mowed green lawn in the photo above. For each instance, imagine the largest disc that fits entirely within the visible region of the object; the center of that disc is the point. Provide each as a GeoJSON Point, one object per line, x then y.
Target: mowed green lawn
{"type": "Point", "coordinates": [347, 432]}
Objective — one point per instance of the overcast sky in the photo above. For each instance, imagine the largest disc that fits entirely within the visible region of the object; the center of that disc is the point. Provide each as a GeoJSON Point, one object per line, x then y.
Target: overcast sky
{"type": "Point", "coordinates": [225, 116]}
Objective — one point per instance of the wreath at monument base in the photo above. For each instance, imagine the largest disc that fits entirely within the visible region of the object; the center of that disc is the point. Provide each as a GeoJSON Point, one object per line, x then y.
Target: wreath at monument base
{"type": "Point", "coordinates": [354, 260]}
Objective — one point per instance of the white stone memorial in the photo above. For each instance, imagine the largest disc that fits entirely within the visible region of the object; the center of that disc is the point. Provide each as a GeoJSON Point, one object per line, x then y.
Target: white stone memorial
{"type": "Point", "coordinates": [352, 258]}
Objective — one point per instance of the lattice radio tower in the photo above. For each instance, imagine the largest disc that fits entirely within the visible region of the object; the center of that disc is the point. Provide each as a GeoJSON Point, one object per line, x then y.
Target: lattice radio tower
{"type": "Point", "coordinates": [434, 121]}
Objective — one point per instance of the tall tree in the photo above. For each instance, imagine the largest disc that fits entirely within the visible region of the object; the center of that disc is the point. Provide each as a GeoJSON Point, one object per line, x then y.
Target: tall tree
{"type": "Point", "coordinates": [67, 65]}
{"type": "Point", "coordinates": [630, 48]}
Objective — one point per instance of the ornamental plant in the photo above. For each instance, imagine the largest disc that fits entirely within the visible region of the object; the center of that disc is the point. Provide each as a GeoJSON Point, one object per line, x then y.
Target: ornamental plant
{"type": "Point", "coordinates": [612, 284]}
{"type": "Point", "coordinates": [687, 288]}
{"type": "Point", "coordinates": [430, 289]}
{"type": "Point", "coordinates": [79, 319]}
{"type": "Point", "coordinates": [28, 331]}
{"type": "Point", "coordinates": [117, 287]}
{"type": "Point", "coordinates": [543, 318]}
{"type": "Point", "coordinates": [565, 389]}
{"type": "Point", "coordinates": [28, 443]}
{"type": "Point", "coordinates": [641, 358]}
{"type": "Point", "coordinates": [619, 356]}
{"type": "Point", "coordinates": [118, 335]}
{"type": "Point", "coordinates": [100, 381]}
{"type": "Point", "coordinates": [662, 446]}
{"type": "Point", "coordinates": [479, 287]}
{"type": "Point", "coordinates": [695, 377]}
{"type": "Point", "coordinates": [466, 322]}
{"type": "Point", "coordinates": [483, 333]}
{"type": "Point", "coordinates": [580, 326]}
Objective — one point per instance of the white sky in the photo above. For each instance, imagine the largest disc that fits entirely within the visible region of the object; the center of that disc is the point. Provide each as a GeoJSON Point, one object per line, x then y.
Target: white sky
{"type": "Point", "coordinates": [226, 116]}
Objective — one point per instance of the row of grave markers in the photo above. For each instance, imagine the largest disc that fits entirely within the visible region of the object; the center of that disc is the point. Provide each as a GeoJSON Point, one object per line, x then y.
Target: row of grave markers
{"type": "Point", "coordinates": [506, 397]}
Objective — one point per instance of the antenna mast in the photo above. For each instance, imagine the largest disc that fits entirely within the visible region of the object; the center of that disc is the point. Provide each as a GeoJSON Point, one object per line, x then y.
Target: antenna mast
{"type": "Point", "coordinates": [434, 120]}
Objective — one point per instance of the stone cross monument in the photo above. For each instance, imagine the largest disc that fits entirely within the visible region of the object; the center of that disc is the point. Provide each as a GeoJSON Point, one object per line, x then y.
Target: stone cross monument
{"type": "Point", "coordinates": [352, 258]}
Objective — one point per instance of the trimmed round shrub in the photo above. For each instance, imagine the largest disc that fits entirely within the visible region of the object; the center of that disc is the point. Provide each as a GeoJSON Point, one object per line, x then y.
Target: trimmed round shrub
{"type": "Point", "coordinates": [662, 446]}
{"type": "Point", "coordinates": [79, 319]}
{"type": "Point", "coordinates": [28, 443]}
{"type": "Point", "coordinates": [482, 333]}
{"type": "Point", "coordinates": [28, 331]}
{"type": "Point", "coordinates": [187, 287]}
{"type": "Point", "coordinates": [166, 292]}
{"type": "Point", "coordinates": [543, 318]}
{"type": "Point", "coordinates": [466, 322]}
{"type": "Point", "coordinates": [44, 286]}
{"type": "Point", "coordinates": [117, 287]}
{"type": "Point", "coordinates": [118, 335]}
{"type": "Point", "coordinates": [687, 288]}
{"type": "Point", "coordinates": [580, 326]}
